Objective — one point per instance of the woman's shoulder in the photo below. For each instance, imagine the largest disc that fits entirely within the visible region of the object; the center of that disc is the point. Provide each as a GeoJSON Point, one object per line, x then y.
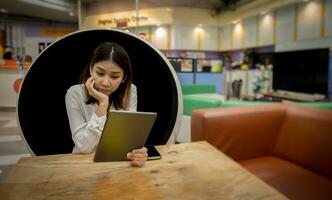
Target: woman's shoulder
{"type": "Point", "coordinates": [76, 90]}
{"type": "Point", "coordinates": [133, 87]}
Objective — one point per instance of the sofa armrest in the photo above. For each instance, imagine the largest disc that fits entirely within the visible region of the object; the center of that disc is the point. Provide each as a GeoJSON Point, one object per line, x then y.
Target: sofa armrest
{"type": "Point", "coordinates": [306, 139]}
{"type": "Point", "coordinates": [241, 132]}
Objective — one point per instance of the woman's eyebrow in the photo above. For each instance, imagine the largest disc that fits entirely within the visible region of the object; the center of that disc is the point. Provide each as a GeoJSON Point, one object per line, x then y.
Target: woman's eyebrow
{"type": "Point", "coordinates": [100, 67]}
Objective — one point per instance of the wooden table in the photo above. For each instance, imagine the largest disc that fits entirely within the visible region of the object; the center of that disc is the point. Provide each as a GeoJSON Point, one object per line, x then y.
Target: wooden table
{"type": "Point", "coordinates": [186, 171]}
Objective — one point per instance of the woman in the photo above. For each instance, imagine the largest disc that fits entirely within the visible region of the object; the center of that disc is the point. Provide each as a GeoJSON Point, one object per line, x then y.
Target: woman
{"type": "Point", "coordinates": [106, 84]}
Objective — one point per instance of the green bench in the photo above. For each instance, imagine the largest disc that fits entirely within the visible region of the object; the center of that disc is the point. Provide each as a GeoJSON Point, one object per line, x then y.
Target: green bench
{"type": "Point", "coordinates": [323, 105]}
{"type": "Point", "coordinates": [192, 102]}
{"type": "Point", "coordinates": [198, 89]}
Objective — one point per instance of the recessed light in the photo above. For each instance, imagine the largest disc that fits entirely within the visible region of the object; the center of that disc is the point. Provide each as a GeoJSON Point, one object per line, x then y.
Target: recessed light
{"type": "Point", "coordinates": [264, 12]}
{"type": "Point", "coordinates": [236, 21]}
{"type": "Point", "coordinates": [2, 10]}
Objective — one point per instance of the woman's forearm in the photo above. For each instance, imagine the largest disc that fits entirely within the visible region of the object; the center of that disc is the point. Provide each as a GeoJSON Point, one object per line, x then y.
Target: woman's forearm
{"type": "Point", "coordinates": [102, 109]}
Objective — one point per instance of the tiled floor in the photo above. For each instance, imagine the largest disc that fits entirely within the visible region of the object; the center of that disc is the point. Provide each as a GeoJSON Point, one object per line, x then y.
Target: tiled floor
{"type": "Point", "coordinates": [12, 148]}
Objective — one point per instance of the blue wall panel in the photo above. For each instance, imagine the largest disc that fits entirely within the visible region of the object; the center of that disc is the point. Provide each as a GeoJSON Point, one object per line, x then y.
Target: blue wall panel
{"type": "Point", "coordinates": [211, 78]}
{"type": "Point", "coordinates": [203, 78]}
{"type": "Point", "coordinates": [186, 78]}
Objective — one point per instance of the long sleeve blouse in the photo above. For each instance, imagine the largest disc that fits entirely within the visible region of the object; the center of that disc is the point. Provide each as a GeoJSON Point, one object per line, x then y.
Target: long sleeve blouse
{"type": "Point", "coordinates": [86, 127]}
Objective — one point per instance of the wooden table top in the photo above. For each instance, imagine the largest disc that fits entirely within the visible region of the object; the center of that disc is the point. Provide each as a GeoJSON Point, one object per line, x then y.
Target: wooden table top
{"type": "Point", "coordinates": [186, 171]}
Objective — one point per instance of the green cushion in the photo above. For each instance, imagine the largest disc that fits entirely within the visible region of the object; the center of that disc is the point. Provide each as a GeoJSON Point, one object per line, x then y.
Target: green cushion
{"type": "Point", "coordinates": [323, 105]}
{"type": "Point", "coordinates": [241, 103]}
{"type": "Point", "coordinates": [191, 103]}
{"type": "Point", "coordinates": [198, 89]}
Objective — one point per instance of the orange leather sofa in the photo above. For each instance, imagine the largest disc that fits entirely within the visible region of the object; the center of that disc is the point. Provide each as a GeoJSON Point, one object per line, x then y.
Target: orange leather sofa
{"type": "Point", "coordinates": [287, 146]}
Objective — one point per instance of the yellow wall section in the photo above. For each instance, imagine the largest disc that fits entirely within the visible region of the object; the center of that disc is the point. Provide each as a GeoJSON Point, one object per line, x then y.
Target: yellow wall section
{"type": "Point", "coordinates": [218, 39]}
{"type": "Point", "coordinates": [322, 15]}
{"type": "Point", "coordinates": [274, 27]}
{"type": "Point", "coordinates": [199, 35]}
{"type": "Point", "coordinates": [295, 23]}
{"type": "Point", "coordinates": [257, 27]}
{"type": "Point", "coordinates": [168, 44]}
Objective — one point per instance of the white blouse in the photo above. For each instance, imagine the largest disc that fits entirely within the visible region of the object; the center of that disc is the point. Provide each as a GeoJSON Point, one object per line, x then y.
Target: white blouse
{"type": "Point", "coordinates": [86, 127]}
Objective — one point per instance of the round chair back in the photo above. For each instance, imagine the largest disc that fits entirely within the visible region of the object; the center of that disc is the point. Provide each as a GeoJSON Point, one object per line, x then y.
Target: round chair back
{"type": "Point", "coordinates": [41, 106]}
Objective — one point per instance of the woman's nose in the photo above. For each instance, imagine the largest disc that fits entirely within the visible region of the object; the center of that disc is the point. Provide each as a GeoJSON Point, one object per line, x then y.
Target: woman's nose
{"type": "Point", "coordinates": [106, 81]}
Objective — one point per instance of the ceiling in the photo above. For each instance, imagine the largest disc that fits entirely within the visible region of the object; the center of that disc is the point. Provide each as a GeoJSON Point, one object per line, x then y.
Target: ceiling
{"type": "Point", "coordinates": [55, 11]}
{"type": "Point", "coordinates": [125, 5]}
{"type": "Point", "coordinates": [49, 9]}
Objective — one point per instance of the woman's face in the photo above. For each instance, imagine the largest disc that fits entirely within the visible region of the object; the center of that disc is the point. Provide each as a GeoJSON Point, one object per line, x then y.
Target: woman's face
{"type": "Point", "coordinates": [108, 76]}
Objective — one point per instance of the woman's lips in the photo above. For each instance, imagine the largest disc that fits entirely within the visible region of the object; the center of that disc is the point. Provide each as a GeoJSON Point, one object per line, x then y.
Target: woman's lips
{"type": "Point", "coordinates": [104, 91]}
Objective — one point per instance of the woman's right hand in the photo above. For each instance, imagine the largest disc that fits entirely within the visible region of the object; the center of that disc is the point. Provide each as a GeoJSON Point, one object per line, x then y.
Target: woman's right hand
{"type": "Point", "coordinates": [100, 97]}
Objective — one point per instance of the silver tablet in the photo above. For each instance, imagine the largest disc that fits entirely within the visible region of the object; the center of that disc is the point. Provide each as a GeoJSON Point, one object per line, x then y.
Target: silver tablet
{"type": "Point", "coordinates": [123, 132]}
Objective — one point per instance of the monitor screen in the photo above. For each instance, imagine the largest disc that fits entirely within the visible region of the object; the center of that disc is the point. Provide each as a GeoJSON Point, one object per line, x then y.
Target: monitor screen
{"type": "Point", "coordinates": [303, 71]}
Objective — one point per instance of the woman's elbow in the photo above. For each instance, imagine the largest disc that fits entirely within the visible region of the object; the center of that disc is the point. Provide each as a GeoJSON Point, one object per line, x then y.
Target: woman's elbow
{"type": "Point", "coordinates": [84, 148]}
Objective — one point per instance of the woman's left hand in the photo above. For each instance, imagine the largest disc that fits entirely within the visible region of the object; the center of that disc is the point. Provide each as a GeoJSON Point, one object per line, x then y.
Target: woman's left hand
{"type": "Point", "coordinates": [138, 156]}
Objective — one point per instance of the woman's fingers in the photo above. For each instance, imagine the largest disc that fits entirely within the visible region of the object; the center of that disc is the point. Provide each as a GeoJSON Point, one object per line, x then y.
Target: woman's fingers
{"type": "Point", "coordinates": [132, 156]}
{"type": "Point", "coordinates": [139, 153]}
{"type": "Point", "coordinates": [138, 157]}
{"type": "Point", "coordinates": [141, 150]}
{"type": "Point", "coordinates": [89, 85]}
{"type": "Point", "coordinates": [88, 82]}
{"type": "Point", "coordinates": [137, 163]}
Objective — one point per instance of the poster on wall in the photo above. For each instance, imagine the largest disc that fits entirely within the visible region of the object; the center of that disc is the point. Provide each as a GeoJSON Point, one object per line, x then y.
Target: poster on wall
{"type": "Point", "coordinates": [42, 46]}
{"type": "Point", "coordinates": [35, 45]}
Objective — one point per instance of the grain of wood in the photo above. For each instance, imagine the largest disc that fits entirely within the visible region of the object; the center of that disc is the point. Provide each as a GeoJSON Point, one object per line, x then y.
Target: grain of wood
{"type": "Point", "coordinates": [186, 171]}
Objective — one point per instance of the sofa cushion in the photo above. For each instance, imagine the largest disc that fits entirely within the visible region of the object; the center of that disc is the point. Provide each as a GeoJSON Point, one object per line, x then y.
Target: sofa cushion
{"type": "Point", "coordinates": [292, 180]}
{"type": "Point", "coordinates": [306, 139]}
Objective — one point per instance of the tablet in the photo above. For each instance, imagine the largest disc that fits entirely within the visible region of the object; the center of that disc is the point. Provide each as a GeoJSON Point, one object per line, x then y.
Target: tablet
{"type": "Point", "coordinates": [123, 131]}
{"type": "Point", "coordinates": [153, 153]}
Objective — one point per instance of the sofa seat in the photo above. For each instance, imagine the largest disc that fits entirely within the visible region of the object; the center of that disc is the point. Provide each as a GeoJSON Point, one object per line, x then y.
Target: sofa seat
{"type": "Point", "coordinates": [290, 179]}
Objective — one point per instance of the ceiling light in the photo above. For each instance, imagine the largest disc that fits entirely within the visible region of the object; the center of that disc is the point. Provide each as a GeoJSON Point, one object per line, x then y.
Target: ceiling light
{"type": "Point", "coordinates": [60, 5]}
{"type": "Point", "coordinates": [264, 12]}
{"type": "Point", "coordinates": [236, 21]}
{"type": "Point", "coordinates": [2, 10]}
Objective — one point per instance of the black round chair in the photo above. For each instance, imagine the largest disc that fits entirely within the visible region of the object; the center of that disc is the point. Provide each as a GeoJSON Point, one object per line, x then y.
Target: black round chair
{"type": "Point", "coordinates": [41, 105]}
